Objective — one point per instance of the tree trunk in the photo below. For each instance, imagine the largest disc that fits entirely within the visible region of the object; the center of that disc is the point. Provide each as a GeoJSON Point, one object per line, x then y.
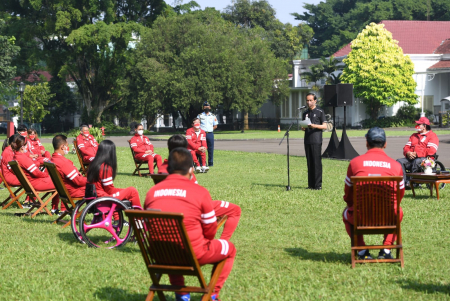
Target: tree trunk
{"type": "Point", "coordinates": [245, 125]}
{"type": "Point", "coordinates": [372, 109]}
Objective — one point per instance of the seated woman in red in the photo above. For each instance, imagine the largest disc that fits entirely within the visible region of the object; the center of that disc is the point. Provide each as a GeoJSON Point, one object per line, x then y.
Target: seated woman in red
{"type": "Point", "coordinates": [8, 155]}
{"type": "Point", "coordinates": [36, 148]}
{"type": "Point", "coordinates": [38, 179]}
{"type": "Point", "coordinates": [102, 172]}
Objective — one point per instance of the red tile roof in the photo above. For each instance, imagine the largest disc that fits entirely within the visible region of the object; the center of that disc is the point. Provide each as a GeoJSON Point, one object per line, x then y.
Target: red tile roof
{"type": "Point", "coordinates": [440, 65]}
{"type": "Point", "coordinates": [34, 77]}
{"type": "Point", "coordinates": [415, 37]}
{"type": "Point", "coordinates": [444, 48]}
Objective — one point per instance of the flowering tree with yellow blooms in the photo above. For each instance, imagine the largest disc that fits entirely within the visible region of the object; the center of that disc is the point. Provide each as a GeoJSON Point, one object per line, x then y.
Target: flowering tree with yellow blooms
{"type": "Point", "coordinates": [380, 73]}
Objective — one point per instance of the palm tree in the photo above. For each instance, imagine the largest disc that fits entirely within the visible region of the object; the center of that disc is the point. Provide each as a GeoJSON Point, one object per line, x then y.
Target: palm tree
{"type": "Point", "coordinates": [314, 75]}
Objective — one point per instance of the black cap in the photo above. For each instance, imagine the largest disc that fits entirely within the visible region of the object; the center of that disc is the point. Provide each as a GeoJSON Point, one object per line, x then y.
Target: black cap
{"type": "Point", "coordinates": [376, 134]}
{"type": "Point", "coordinates": [206, 104]}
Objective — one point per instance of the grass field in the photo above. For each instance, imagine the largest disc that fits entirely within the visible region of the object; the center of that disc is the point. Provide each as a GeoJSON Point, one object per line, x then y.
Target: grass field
{"type": "Point", "coordinates": [290, 245]}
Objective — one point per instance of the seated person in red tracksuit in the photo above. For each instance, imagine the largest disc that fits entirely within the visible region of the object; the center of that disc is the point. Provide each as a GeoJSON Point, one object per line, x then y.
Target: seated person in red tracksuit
{"type": "Point", "coordinates": [73, 180]}
{"type": "Point", "coordinates": [23, 131]}
{"type": "Point", "coordinates": [36, 148]}
{"type": "Point", "coordinates": [196, 138]}
{"type": "Point", "coordinates": [232, 211]}
{"type": "Point", "coordinates": [374, 162]}
{"type": "Point", "coordinates": [199, 217]}
{"type": "Point", "coordinates": [102, 172]}
{"type": "Point", "coordinates": [143, 148]}
{"type": "Point", "coordinates": [420, 145]}
{"type": "Point", "coordinates": [8, 155]}
{"type": "Point", "coordinates": [87, 144]}
{"type": "Point", "coordinates": [38, 179]}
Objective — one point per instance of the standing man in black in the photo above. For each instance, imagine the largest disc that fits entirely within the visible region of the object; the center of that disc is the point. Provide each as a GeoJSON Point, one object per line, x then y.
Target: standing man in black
{"type": "Point", "coordinates": [313, 141]}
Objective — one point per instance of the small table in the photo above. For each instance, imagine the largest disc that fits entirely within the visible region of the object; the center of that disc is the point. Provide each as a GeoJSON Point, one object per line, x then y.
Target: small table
{"type": "Point", "coordinates": [432, 179]}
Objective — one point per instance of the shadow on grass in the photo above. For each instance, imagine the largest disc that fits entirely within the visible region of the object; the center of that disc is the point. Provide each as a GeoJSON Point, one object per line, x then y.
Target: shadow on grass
{"type": "Point", "coordinates": [113, 293]}
{"type": "Point", "coordinates": [280, 185]}
{"type": "Point", "coordinates": [69, 238]}
{"type": "Point", "coordinates": [429, 288]}
{"type": "Point", "coordinates": [35, 219]}
{"type": "Point", "coordinates": [325, 257]}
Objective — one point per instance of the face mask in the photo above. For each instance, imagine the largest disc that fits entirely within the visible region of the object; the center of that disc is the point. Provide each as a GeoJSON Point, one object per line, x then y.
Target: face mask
{"type": "Point", "coordinates": [23, 134]}
{"type": "Point", "coordinates": [86, 133]}
{"type": "Point", "coordinates": [66, 150]}
{"type": "Point", "coordinates": [32, 137]}
{"type": "Point", "coordinates": [24, 149]}
{"type": "Point", "coordinates": [140, 132]}
{"type": "Point", "coordinates": [418, 128]}
{"type": "Point", "coordinates": [207, 110]}
{"type": "Point", "coordinates": [197, 125]}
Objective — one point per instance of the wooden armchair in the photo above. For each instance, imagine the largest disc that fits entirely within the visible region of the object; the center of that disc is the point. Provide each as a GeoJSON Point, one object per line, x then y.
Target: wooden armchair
{"type": "Point", "coordinates": [166, 249]}
{"type": "Point", "coordinates": [38, 202]}
{"type": "Point", "coordinates": [373, 207]}
{"type": "Point", "coordinates": [158, 177]}
{"type": "Point", "coordinates": [13, 196]}
{"type": "Point", "coordinates": [64, 195]}
{"type": "Point", "coordinates": [139, 163]}
{"type": "Point", "coordinates": [84, 166]}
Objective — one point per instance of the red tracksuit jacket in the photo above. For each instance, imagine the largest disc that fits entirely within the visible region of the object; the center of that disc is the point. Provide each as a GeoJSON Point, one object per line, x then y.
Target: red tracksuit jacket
{"type": "Point", "coordinates": [424, 145]}
{"type": "Point", "coordinates": [163, 170]}
{"type": "Point", "coordinates": [376, 163]}
{"type": "Point", "coordinates": [194, 141]}
{"type": "Point", "coordinates": [10, 177]}
{"type": "Point", "coordinates": [72, 178]}
{"type": "Point", "coordinates": [35, 147]}
{"type": "Point", "coordinates": [88, 147]}
{"type": "Point", "coordinates": [104, 185]}
{"type": "Point", "coordinates": [29, 167]}
{"type": "Point", "coordinates": [140, 144]}
{"type": "Point", "coordinates": [178, 194]}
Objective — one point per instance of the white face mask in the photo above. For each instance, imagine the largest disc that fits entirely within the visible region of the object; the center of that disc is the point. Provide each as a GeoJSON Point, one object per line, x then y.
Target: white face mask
{"type": "Point", "coordinates": [140, 132]}
{"type": "Point", "coordinates": [66, 150]}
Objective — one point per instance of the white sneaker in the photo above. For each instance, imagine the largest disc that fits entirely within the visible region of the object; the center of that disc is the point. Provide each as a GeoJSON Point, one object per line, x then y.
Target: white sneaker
{"type": "Point", "coordinates": [198, 169]}
{"type": "Point", "coordinates": [205, 168]}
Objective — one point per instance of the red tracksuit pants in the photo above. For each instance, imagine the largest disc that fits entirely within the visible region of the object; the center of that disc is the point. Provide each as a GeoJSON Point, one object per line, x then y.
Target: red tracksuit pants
{"type": "Point", "coordinates": [216, 250]}
{"type": "Point", "coordinates": [233, 212]}
{"type": "Point", "coordinates": [150, 159]}
{"type": "Point", "coordinates": [202, 155]}
{"type": "Point", "coordinates": [347, 217]}
{"type": "Point", "coordinates": [130, 194]}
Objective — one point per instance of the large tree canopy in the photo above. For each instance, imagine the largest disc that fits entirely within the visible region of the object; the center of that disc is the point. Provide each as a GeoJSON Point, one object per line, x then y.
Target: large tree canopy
{"type": "Point", "coordinates": [187, 59]}
{"type": "Point", "coordinates": [285, 40]}
{"type": "Point", "coordinates": [378, 70]}
{"type": "Point", "coordinates": [336, 22]}
{"type": "Point", "coordinates": [83, 40]}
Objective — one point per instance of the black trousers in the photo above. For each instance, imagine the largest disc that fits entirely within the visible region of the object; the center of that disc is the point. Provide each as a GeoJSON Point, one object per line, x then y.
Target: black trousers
{"type": "Point", "coordinates": [314, 162]}
{"type": "Point", "coordinates": [413, 165]}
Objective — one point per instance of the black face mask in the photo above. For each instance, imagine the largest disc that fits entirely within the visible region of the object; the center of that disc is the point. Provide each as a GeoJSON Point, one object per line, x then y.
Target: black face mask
{"type": "Point", "coordinates": [207, 110]}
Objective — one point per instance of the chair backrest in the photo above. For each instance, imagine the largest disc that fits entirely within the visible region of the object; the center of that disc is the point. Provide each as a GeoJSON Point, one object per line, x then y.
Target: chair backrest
{"type": "Point", "coordinates": [164, 243]}
{"type": "Point", "coordinates": [57, 181]}
{"type": "Point", "coordinates": [158, 177]}
{"type": "Point", "coordinates": [17, 170]}
{"type": "Point", "coordinates": [132, 152]}
{"type": "Point", "coordinates": [77, 150]}
{"type": "Point", "coordinates": [374, 200]}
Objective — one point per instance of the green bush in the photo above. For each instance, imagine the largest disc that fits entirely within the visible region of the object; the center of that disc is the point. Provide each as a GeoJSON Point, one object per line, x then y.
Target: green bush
{"type": "Point", "coordinates": [386, 122]}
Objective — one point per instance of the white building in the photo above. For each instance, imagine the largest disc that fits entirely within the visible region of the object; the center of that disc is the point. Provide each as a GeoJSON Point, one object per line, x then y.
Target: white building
{"type": "Point", "coordinates": [428, 45]}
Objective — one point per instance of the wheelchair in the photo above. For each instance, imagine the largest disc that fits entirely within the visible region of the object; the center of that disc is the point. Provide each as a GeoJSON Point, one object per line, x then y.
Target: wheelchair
{"type": "Point", "coordinates": [439, 166]}
{"type": "Point", "coordinates": [101, 222]}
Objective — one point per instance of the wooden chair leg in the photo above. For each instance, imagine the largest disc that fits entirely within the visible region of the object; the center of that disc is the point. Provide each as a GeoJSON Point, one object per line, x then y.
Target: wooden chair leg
{"type": "Point", "coordinates": [14, 199]}
{"type": "Point", "coordinates": [436, 184]}
{"type": "Point", "coordinates": [44, 204]}
{"type": "Point", "coordinates": [150, 296]}
{"type": "Point", "coordinates": [412, 188]}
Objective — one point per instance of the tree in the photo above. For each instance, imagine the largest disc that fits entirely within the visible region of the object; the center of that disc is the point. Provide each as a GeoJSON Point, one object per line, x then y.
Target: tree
{"type": "Point", "coordinates": [187, 59]}
{"type": "Point", "coordinates": [35, 98]}
{"type": "Point", "coordinates": [84, 40]}
{"type": "Point", "coordinates": [8, 50]}
{"type": "Point", "coordinates": [314, 75]}
{"type": "Point", "coordinates": [336, 22]}
{"type": "Point", "coordinates": [380, 73]}
{"type": "Point", "coordinates": [285, 40]}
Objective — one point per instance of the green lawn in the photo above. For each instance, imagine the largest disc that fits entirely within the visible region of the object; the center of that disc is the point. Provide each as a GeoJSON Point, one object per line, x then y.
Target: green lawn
{"type": "Point", "coordinates": [290, 245]}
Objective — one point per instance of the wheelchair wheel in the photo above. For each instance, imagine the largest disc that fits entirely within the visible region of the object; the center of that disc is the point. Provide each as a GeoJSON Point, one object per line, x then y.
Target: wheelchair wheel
{"type": "Point", "coordinates": [76, 214]}
{"type": "Point", "coordinates": [103, 223]}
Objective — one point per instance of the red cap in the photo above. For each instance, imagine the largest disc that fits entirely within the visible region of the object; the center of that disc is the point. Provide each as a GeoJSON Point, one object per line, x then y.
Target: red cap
{"type": "Point", "coordinates": [423, 120]}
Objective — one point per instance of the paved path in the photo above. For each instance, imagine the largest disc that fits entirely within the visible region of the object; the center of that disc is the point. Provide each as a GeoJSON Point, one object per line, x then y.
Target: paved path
{"type": "Point", "coordinates": [394, 146]}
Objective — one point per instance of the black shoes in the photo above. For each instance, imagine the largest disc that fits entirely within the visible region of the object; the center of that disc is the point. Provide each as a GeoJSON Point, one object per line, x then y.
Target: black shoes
{"type": "Point", "coordinates": [365, 256]}
{"type": "Point", "coordinates": [384, 255]}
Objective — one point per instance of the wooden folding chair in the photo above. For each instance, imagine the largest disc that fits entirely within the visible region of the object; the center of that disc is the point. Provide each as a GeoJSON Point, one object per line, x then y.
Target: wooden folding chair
{"type": "Point", "coordinates": [139, 163]}
{"type": "Point", "coordinates": [166, 249]}
{"type": "Point", "coordinates": [64, 195]}
{"type": "Point", "coordinates": [158, 177]}
{"type": "Point", "coordinates": [13, 196]}
{"type": "Point", "coordinates": [32, 193]}
{"type": "Point", "coordinates": [84, 166]}
{"type": "Point", "coordinates": [373, 210]}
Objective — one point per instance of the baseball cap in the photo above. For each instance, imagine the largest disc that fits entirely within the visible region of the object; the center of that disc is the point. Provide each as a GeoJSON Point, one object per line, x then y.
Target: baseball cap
{"type": "Point", "coordinates": [376, 134]}
{"type": "Point", "coordinates": [423, 120]}
{"type": "Point", "coordinates": [206, 104]}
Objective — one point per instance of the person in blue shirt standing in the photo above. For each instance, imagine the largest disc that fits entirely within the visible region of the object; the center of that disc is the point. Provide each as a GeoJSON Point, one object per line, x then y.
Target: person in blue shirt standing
{"type": "Point", "coordinates": [208, 123]}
